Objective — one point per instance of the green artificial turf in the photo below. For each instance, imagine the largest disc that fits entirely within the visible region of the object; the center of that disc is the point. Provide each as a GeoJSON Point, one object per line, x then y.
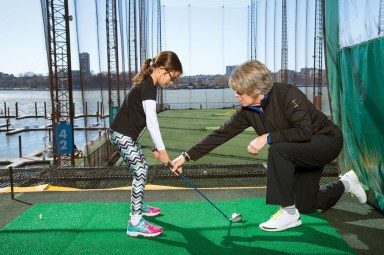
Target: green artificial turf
{"type": "Point", "coordinates": [189, 228]}
{"type": "Point", "coordinates": [181, 129]}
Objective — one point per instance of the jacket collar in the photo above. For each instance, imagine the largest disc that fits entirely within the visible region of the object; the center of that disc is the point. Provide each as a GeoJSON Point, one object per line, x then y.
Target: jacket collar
{"type": "Point", "coordinates": [263, 104]}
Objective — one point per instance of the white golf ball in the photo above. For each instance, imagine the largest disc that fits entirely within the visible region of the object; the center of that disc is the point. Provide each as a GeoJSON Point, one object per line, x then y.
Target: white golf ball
{"type": "Point", "coordinates": [234, 215]}
{"type": "Point", "coordinates": [205, 172]}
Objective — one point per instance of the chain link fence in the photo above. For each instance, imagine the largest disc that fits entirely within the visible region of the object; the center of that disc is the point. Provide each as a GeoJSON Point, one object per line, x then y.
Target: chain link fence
{"type": "Point", "coordinates": [202, 175]}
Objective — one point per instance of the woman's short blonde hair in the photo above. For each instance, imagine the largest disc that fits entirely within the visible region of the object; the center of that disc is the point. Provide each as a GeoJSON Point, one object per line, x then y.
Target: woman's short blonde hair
{"type": "Point", "coordinates": [251, 78]}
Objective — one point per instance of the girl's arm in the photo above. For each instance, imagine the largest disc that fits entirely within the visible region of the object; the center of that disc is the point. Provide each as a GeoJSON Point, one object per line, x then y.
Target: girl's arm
{"type": "Point", "coordinates": [154, 129]}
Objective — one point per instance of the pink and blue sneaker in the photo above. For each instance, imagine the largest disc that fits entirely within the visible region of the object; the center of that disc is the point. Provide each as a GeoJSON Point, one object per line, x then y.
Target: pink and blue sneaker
{"type": "Point", "coordinates": [148, 210]}
{"type": "Point", "coordinates": [143, 228]}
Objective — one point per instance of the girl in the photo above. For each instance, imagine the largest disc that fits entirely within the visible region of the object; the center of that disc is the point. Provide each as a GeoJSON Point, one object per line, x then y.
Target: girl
{"type": "Point", "coordinates": [137, 112]}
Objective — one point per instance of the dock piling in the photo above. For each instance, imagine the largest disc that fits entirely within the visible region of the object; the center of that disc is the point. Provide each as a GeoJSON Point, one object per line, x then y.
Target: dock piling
{"type": "Point", "coordinates": [20, 148]}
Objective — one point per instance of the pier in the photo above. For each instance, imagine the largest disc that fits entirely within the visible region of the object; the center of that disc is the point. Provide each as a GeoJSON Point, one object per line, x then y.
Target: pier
{"type": "Point", "coordinates": [94, 153]}
{"type": "Point", "coordinates": [35, 119]}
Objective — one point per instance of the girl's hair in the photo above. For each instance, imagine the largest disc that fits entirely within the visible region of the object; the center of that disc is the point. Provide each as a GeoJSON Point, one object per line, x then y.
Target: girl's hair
{"type": "Point", "coordinates": [166, 59]}
{"type": "Point", "coordinates": [251, 78]}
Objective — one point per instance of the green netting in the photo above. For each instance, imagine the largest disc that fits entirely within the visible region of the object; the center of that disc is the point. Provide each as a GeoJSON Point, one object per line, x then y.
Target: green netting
{"type": "Point", "coordinates": [362, 81]}
{"type": "Point", "coordinates": [356, 81]}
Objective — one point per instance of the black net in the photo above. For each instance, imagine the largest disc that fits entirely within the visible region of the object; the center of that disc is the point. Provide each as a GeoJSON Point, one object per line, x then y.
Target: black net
{"type": "Point", "coordinates": [202, 175]}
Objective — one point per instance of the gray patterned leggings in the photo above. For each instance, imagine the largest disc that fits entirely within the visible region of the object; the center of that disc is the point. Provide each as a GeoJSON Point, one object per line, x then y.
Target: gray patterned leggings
{"type": "Point", "coordinates": [130, 150]}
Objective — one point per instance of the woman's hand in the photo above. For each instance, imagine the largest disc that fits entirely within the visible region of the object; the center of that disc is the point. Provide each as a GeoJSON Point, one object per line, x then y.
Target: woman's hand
{"type": "Point", "coordinates": [256, 145]}
{"type": "Point", "coordinates": [177, 163]}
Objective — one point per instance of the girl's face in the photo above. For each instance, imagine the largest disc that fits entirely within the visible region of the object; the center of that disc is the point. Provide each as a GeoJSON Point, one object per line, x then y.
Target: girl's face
{"type": "Point", "coordinates": [247, 100]}
{"type": "Point", "coordinates": [166, 77]}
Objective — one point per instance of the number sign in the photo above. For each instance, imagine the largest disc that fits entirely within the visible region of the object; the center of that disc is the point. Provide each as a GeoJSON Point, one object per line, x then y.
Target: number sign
{"type": "Point", "coordinates": [112, 113]}
{"type": "Point", "coordinates": [63, 139]}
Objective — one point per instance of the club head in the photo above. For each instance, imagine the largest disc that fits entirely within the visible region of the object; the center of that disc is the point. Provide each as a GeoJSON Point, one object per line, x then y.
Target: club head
{"type": "Point", "coordinates": [236, 217]}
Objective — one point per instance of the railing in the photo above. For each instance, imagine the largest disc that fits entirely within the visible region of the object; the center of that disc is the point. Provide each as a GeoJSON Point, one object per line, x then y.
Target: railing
{"type": "Point", "coordinates": [203, 176]}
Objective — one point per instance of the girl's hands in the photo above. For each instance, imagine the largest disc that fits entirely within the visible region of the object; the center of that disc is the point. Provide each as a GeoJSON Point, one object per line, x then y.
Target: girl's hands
{"type": "Point", "coordinates": [162, 156]}
{"type": "Point", "coordinates": [175, 165]}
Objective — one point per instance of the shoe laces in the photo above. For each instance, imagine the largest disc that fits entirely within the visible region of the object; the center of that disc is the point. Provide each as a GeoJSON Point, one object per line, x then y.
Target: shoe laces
{"type": "Point", "coordinates": [277, 214]}
{"type": "Point", "coordinates": [146, 208]}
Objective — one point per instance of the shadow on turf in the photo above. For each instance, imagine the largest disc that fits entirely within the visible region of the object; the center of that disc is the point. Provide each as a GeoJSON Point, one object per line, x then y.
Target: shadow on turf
{"type": "Point", "coordinates": [198, 244]}
{"type": "Point", "coordinates": [361, 234]}
{"type": "Point", "coordinates": [195, 243]}
{"type": "Point", "coordinates": [308, 234]}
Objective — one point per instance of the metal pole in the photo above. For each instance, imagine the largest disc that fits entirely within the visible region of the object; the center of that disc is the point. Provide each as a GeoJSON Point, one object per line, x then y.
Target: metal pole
{"type": "Point", "coordinates": [17, 110]}
{"type": "Point", "coordinates": [35, 109]}
{"type": "Point", "coordinates": [86, 109]}
{"type": "Point", "coordinates": [20, 150]}
{"type": "Point", "coordinates": [97, 112]}
{"type": "Point", "coordinates": [11, 180]}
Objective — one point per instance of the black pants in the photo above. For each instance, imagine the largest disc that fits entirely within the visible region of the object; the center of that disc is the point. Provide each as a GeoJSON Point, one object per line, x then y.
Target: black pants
{"type": "Point", "coordinates": [294, 172]}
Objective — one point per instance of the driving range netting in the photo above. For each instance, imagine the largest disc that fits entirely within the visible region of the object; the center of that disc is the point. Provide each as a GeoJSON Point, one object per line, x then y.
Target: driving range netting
{"type": "Point", "coordinates": [202, 175]}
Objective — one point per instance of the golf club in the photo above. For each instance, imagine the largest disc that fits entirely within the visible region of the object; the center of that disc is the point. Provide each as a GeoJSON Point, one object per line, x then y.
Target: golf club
{"type": "Point", "coordinates": [236, 217]}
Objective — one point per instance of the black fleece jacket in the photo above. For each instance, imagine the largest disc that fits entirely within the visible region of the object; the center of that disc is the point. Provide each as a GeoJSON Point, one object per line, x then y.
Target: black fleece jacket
{"type": "Point", "coordinates": [288, 117]}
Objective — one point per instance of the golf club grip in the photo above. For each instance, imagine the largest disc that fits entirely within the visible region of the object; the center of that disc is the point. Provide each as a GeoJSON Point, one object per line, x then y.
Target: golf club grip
{"type": "Point", "coordinates": [193, 186]}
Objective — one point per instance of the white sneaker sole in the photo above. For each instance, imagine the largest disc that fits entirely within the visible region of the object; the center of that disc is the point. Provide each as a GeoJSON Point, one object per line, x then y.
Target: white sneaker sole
{"type": "Point", "coordinates": [136, 234]}
{"type": "Point", "coordinates": [150, 214]}
{"type": "Point", "coordinates": [292, 225]}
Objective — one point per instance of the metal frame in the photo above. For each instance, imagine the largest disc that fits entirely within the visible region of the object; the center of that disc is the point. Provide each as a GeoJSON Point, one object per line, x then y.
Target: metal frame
{"type": "Point", "coordinates": [132, 40]}
{"type": "Point", "coordinates": [284, 44]}
{"type": "Point", "coordinates": [60, 71]}
{"type": "Point", "coordinates": [113, 54]}
{"type": "Point", "coordinates": [318, 56]}
{"type": "Point", "coordinates": [253, 29]}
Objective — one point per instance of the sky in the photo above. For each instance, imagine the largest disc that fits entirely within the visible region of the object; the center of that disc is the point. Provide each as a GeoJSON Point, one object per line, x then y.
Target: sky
{"type": "Point", "coordinates": [207, 35]}
{"type": "Point", "coordinates": [22, 48]}
{"type": "Point", "coordinates": [210, 34]}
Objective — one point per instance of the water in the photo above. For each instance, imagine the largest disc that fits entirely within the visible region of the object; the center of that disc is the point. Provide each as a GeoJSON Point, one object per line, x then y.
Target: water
{"type": "Point", "coordinates": [34, 140]}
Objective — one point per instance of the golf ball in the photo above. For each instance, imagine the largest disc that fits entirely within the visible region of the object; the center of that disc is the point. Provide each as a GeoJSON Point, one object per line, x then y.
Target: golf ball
{"type": "Point", "coordinates": [234, 215]}
{"type": "Point", "coordinates": [205, 172]}
{"type": "Point", "coordinates": [41, 216]}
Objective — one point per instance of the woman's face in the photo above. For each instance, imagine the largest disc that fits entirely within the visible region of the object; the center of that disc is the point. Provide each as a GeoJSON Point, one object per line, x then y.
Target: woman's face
{"type": "Point", "coordinates": [247, 100]}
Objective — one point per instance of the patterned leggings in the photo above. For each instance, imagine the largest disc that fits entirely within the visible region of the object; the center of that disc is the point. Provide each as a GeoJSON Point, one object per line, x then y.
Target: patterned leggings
{"type": "Point", "coordinates": [130, 150]}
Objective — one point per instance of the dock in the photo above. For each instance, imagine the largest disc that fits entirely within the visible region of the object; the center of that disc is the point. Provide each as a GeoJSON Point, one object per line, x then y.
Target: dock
{"type": "Point", "coordinates": [27, 129]}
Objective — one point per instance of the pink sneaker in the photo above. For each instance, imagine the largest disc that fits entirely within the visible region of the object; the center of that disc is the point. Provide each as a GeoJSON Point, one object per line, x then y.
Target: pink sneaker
{"type": "Point", "coordinates": [143, 228]}
{"type": "Point", "coordinates": [148, 210]}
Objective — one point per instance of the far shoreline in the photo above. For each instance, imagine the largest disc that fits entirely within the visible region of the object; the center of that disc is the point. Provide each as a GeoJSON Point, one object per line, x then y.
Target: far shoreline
{"type": "Point", "coordinates": [170, 88]}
